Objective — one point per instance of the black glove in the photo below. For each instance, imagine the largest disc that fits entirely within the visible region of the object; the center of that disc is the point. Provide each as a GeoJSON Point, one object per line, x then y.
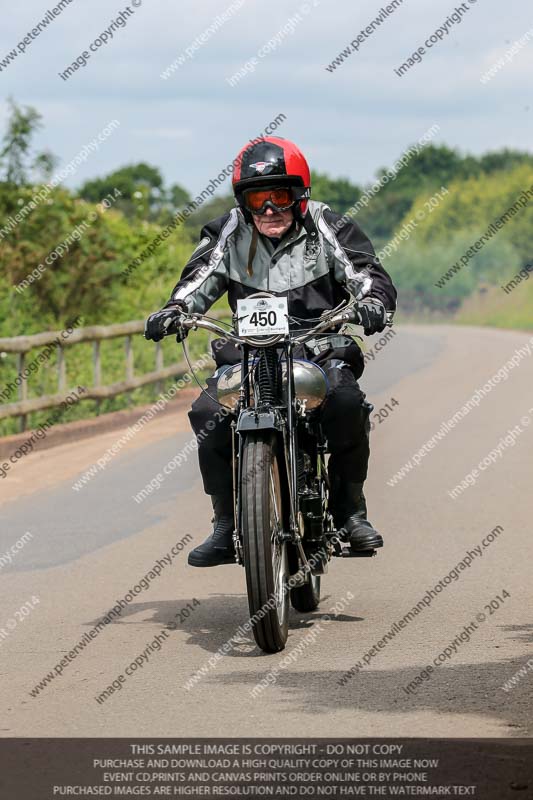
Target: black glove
{"type": "Point", "coordinates": [164, 322]}
{"type": "Point", "coordinates": [372, 315]}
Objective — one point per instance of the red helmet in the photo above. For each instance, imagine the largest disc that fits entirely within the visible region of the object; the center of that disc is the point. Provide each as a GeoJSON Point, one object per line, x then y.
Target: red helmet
{"type": "Point", "coordinates": [272, 161]}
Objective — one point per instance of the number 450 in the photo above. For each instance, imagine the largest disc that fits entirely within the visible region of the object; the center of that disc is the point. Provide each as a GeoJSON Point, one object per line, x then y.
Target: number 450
{"type": "Point", "coordinates": [263, 318]}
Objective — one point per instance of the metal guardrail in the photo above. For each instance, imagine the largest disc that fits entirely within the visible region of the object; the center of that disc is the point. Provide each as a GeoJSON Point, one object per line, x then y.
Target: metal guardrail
{"type": "Point", "coordinates": [21, 345]}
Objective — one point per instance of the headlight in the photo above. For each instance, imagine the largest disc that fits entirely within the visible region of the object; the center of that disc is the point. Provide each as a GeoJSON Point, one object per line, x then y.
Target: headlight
{"type": "Point", "coordinates": [310, 383]}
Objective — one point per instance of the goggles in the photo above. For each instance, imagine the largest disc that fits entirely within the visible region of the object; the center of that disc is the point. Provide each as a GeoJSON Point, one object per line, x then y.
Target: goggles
{"type": "Point", "coordinates": [258, 200]}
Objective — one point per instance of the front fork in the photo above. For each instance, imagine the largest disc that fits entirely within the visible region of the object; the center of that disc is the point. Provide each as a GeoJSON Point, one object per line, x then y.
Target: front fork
{"type": "Point", "coordinates": [236, 456]}
{"type": "Point", "coordinates": [294, 534]}
{"type": "Point", "coordinates": [235, 463]}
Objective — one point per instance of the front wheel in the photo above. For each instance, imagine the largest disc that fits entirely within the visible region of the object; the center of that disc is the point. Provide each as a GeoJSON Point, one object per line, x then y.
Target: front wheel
{"type": "Point", "coordinates": [265, 555]}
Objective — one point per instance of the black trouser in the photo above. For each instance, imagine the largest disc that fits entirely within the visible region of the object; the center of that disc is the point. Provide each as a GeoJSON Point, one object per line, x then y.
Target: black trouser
{"type": "Point", "coordinates": [344, 417]}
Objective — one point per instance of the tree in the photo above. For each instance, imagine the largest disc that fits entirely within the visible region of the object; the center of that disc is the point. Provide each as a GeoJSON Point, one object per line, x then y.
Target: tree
{"type": "Point", "coordinates": [504, 160]}
{"type": "Point", "coordinates": [473, 204]}
{"type": "Point", "coordinates": [429, 169]}
{"type": "Point", "coordinates": [178, 196]}
{"type": "Point", "coordinates": [143, 193]}
{"type": "Point", "coordinates": [15, 156]}
{"type": "Point", "coordinates": [68, 257]}
{"type": "Point", "coordinates": [44, 165]}
{"type": "Point", "coordinates": [338, 193]}
{"type": "Point", "coordinates": [215, 207]}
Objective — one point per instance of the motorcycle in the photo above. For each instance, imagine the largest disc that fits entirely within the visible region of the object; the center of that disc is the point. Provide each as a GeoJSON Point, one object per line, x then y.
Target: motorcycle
{"type": "Point", "coordinates": [284, 534]}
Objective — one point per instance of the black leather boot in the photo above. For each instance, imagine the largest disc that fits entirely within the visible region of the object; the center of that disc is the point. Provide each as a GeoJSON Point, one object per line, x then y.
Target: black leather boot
{"type": "Point", "coordinates": [218, 547]}
{"type": "Point", "coordinates": [350, 513]}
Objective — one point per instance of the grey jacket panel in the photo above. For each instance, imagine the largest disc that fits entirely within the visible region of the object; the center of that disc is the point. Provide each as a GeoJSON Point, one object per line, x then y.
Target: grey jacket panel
{"type": "Point", "coordinates": [312, 270]}
{"type": "Point", "coordinates": [279, 269]}
{"type": "Point", "coordinates": [208, 278]}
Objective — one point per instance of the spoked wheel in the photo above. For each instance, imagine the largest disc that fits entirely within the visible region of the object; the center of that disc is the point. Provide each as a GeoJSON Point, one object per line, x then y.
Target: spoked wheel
{"type": "Point", "coordinates": [265, 556]}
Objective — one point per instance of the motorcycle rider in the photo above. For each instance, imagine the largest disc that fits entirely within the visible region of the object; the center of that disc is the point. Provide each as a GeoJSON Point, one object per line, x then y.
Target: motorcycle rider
{"type": "Point", "coordinates": [278, 240]}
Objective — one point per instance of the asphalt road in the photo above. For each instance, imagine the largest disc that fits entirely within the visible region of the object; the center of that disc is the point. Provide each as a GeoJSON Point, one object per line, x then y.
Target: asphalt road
{"type": "Point", "coordinates": [89, 547]}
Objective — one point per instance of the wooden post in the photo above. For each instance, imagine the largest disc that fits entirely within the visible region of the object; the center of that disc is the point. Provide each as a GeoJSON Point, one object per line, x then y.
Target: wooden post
{"type": "Point", "coordinates": [61, 371]}
{"type": "Point", "coordinates": [97, 370]}
{"type": "Point", "coordinates": [23, 390]}
{"type": "Point", "coordinates": [159, 364]}
{"type": "Point", "coordinates": [129, 363]}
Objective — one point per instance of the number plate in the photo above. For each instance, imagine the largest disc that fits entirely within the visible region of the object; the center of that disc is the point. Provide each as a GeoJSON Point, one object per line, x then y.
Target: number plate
{"type": "Point", "coordinates": [263, 316]}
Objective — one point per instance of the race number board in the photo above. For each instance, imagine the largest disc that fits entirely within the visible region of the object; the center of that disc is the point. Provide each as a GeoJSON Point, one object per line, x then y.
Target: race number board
{"type": "Point", "coordinates": [263, 316]}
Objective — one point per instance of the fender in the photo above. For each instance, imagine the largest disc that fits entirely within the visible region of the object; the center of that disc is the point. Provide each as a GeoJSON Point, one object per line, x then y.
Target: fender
{"type": "Point", "coordinates": [251, 420]}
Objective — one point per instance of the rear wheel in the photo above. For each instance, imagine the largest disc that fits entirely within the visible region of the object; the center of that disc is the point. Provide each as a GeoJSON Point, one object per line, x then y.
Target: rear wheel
{"type": "Point", "coordinates": [306, 597]}
{"type": "Point", "coordinates": [265, 556]}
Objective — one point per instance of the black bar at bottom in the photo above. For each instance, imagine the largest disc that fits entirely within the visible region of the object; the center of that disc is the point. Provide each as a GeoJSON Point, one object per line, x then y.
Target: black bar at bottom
{"type": "Point", "coordinates": [487, 769]}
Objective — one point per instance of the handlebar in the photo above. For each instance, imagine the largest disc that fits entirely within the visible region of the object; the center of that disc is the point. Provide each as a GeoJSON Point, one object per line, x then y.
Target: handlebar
{"type": "Point", "coordinates": [346, 315]}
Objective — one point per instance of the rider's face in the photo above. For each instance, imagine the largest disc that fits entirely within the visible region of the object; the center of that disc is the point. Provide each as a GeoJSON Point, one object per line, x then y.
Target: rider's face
{"type": "Point", "coordinates": [273, 223]}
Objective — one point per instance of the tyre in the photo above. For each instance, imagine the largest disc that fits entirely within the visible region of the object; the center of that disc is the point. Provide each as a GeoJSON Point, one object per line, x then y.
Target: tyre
{"type": "Point", "coordinates": [265, 557]}
{"type": "Point", "coordinates": [307, 597]}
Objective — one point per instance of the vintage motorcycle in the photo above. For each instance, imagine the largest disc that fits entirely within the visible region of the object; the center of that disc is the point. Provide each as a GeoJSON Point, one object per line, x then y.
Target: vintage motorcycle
{"type": "Point", "coordinates": [284, 533]}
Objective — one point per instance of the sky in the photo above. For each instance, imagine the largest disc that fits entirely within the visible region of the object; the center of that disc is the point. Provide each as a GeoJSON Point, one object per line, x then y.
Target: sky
{"type": "Point", "coordinates": [348, 122]}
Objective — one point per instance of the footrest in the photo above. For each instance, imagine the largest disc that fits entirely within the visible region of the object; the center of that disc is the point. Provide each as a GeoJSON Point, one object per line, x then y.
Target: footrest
{"type": "Point", "coordinates": [347, 552]}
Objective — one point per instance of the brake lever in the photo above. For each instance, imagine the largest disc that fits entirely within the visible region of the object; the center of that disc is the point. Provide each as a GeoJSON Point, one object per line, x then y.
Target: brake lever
{"type": "Point", "coordinates": [166, 325]}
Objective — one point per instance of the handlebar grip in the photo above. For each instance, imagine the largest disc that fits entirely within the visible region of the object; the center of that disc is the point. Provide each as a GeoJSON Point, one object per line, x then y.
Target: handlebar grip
{"type": "Point", "coordinates": [353, 316]}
